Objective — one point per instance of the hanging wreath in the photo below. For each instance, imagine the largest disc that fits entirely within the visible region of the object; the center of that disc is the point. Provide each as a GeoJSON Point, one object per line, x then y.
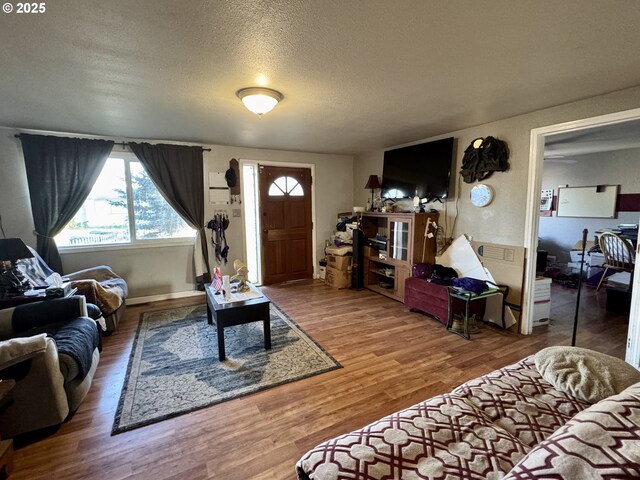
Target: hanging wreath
{"type": "Point", "coordinates": [482, 157]}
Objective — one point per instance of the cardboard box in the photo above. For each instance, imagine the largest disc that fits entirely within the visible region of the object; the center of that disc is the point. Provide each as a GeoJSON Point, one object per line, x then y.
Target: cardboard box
{"type": "Point", "coordinates": [339, 262]}
{"type": "Point", "coordinates": [338, 278]}
{"type": "Point", "coordinates": [588, 245]}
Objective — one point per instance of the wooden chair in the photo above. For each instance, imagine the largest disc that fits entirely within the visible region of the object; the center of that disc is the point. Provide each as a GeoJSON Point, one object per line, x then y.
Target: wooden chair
{"type": "Point", "coordinates": [618, 254]}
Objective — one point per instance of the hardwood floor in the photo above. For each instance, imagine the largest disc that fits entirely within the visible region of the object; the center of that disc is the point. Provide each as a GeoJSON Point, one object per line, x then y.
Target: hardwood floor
{"type": "Point", "coordinates": [598, 329]}
{"type": "Point", "coordinates": [392, 359]}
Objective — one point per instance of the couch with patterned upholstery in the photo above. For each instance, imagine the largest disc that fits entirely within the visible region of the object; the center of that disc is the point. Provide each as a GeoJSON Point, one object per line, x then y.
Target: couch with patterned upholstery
{"type": "Point", "coordinates": [564, 413]}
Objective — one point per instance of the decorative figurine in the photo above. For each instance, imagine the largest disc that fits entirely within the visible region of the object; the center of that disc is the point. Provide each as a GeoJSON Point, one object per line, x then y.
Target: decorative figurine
{"type": "Point", "coordinates": [242, 275]}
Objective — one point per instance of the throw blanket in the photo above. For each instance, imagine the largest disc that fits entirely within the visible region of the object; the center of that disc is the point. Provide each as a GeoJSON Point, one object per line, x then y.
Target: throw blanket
{"type": "Point", "coordinates": [77, 338]}
{"type": "Point", "coordinates": [101, 286]}
{"type": "Point", "coordinates": [481, 430]}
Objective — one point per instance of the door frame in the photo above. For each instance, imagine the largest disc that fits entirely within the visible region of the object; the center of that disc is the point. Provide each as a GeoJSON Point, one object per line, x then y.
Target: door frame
{"type": "Point", "coordinates": [272, 163]}
{"type": "Point", "coordinates": [536, 159]}
{"type": "Point", "coordinates": [633, 335]}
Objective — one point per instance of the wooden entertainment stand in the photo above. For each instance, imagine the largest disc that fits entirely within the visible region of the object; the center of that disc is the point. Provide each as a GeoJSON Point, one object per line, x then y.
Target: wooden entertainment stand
{"type": "Point", "coordinates": [387, 267]}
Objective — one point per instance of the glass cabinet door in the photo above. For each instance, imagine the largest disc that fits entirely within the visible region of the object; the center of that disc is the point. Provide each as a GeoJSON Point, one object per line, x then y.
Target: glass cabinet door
{"type": "Point", "coordinates": [399, 239]}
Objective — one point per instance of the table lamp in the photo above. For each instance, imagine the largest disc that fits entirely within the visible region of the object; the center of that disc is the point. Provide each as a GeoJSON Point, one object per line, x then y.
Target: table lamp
{"type": "Point", "coordinates": [11, 280]}
{"type": "Point", "coordinates": [372, 183]}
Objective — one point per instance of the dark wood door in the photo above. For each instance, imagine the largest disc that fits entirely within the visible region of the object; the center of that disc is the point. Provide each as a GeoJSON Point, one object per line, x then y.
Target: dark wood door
{"type": "Point", "coordinates": [285, 213]}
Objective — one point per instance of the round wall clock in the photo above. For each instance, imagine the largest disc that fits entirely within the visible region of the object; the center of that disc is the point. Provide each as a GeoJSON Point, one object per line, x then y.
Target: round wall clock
{"type": "Point", "coordinates": [481, 195]}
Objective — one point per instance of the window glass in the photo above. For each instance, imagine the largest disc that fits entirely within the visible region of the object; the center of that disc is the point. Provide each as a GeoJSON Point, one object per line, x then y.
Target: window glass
{"type": "Point", "coordinates": [153, 216]}
{"type": "Point", "coordinates": [124, 206]}
{"type": "Point", "coordinates": [104, 217]}
{"type": "Point", "coordinates": [275, 190]}
{"type": "Point", "coordinates": [296, 190]}
{"type": "Point", "coordinates": [284, 185]}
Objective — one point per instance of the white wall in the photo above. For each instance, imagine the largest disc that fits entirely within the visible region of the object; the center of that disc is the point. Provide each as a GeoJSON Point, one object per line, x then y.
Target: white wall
{"type": "Point", "coordinates": [503, 220]}
{"type": "Point", "coordinates": [162, 270]}
{"type": "Point", "coordinates": [558, 235]}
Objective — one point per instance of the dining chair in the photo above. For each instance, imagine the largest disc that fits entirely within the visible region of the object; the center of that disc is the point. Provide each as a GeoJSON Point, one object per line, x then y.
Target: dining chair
{"type": "Point", "coordinates": [618, 254]}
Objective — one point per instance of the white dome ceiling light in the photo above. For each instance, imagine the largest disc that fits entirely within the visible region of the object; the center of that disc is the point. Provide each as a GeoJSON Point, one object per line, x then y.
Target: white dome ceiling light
{"type": "Point", "coordinates": [259, 100]}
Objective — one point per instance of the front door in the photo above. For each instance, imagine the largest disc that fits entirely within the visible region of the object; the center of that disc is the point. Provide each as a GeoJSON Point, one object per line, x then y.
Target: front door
{"type": "Point", "coordinates": [285, 212]}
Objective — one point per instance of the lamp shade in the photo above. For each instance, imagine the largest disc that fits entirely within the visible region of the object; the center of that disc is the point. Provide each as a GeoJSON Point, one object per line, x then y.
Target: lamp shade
{"type": "Point", "coordinates": [259, 100]}
{"type": "Point", "coordinates": [373, 182]}
{"type": "Point", "coordinates": [12, 249]}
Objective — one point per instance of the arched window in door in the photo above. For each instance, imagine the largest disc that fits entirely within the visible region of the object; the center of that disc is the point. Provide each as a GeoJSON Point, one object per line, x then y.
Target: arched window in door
{"type": "Point", "coordinates": [285, 186]}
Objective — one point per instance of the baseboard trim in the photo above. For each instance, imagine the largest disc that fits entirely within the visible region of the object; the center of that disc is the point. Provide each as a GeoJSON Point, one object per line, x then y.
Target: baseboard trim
{"type": "Point", "coordinates": [164, 296]}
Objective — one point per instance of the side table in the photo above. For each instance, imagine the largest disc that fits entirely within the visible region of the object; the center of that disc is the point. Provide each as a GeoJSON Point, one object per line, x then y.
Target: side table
{"type": "Point", "coordinates": [469, 297]}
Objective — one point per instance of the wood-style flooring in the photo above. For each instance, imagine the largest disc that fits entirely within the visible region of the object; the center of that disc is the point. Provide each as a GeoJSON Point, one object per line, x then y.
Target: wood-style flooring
{"type": "Point", "coordinates": [392, 359]}
{"type": "Point", "coordinates": [598, 329]}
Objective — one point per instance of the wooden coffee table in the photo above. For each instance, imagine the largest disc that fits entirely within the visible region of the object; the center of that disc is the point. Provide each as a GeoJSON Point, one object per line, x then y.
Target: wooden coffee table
{"type": "Point", "coordinates": [237, 313]}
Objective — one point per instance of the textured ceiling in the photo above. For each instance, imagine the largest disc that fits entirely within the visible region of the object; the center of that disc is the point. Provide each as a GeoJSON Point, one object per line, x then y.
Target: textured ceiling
{"type": "Point", "coordinates": [356, 75]}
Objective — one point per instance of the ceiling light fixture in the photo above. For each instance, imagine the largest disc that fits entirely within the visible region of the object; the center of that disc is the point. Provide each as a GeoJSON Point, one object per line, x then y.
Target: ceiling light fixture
{"type": "Point", "coordinates": [259, 100]}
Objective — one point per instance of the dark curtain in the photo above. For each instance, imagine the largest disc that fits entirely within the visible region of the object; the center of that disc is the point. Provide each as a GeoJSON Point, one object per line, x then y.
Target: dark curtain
{"type": "Point", "coordinates": [60, 172]}
{"type": "Point", "coordinates": [177, 171]}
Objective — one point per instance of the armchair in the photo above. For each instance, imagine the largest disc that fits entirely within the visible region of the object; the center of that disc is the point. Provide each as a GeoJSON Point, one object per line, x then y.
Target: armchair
{"type": "Point", "coordinates": [51, 350]}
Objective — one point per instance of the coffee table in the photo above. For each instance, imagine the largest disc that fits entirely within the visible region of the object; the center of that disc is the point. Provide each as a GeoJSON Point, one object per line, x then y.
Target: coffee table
{"type": "Point", "coordinates": [229, 314]}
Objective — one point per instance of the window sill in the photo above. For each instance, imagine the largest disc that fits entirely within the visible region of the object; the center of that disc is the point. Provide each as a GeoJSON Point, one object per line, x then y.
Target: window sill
{"type": "Point", "coordinates": [179, 242]}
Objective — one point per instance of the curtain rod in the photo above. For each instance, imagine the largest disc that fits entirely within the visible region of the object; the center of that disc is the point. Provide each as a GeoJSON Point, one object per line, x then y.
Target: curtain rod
{"type": "Point", "coordinates": [126, 144]}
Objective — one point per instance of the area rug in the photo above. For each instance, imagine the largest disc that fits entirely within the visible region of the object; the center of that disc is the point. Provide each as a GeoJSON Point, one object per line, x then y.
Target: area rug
{"type": "Point", "coordinates": [174, 367]}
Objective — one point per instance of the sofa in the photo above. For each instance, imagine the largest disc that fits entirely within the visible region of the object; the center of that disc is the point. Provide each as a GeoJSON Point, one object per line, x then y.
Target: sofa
{"type": "Point", "coordinates": [100, 285]}
{"type": "Point", "coordinates": [51, 349]}
{"type": "Point", "coordinates": [562, 413]}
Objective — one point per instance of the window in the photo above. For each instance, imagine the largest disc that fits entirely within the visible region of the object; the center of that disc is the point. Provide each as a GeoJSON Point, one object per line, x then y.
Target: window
{"type": "Point", "coordinates": [123, 207]}
{"type": "Point", "coordinates": [284, 185]}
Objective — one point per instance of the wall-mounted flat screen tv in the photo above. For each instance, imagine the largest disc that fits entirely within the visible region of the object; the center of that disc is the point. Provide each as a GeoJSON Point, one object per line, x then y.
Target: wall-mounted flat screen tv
{"type": "Point", "coordinates": [423, 170]}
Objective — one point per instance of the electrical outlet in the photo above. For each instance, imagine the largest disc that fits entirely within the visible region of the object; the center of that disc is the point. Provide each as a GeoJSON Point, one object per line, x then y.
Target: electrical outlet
{"type": "Point", "coordinates": [237, 212]}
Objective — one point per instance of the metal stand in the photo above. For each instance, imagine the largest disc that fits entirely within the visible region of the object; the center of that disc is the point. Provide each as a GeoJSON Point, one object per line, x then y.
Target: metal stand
{"type": "Point", "coordinates": [575, 319]}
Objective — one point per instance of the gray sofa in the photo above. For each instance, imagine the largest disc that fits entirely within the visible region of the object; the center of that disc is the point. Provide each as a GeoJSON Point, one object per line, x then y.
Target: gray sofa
{"type": "Point", "coordinates": [100, 285]}
{"type": "Point", "coordinates": [51, 349]}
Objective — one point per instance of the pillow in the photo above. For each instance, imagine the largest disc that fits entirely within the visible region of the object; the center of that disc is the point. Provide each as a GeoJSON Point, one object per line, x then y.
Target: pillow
{"type": "Point", "coordinates": [422, 270]}
{"type": "Point", "coordinates": [599, 442]}
{"type": "Point", "coordinates": [585, 374]}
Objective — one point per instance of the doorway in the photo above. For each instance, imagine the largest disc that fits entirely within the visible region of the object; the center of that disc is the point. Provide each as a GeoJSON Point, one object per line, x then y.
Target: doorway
{"type": "Point", "coordinates": [254, 188]}
{"type": "Point", "coordinates": [538, 139]}
{"type": "Point", "coordinates": [286, 224]}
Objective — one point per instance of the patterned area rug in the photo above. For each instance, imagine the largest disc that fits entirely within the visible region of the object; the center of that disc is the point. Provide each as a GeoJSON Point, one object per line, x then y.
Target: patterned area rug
{"type": "Point", "coordinates": [174, 367]}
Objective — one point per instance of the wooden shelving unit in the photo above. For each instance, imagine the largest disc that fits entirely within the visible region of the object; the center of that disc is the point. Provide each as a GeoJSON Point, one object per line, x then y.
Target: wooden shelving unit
{"type": "Point", "coordinates": [406, 244]}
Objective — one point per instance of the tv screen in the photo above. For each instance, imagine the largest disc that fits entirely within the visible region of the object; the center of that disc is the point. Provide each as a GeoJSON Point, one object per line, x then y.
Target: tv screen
{"type": "Point", "coordinates": [423, 170]}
